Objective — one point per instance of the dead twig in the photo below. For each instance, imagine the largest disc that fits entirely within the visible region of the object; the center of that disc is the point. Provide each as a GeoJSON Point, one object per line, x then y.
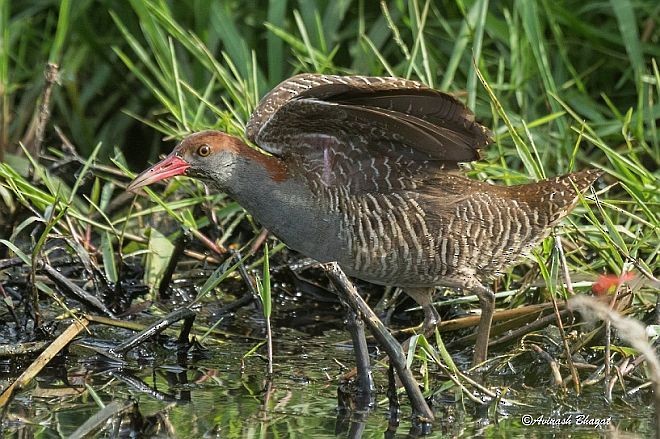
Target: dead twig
{"type": "Point", "coordinates": [11, 350]}
{"type": "Point", "coordinates": [75, 291]}
{"type": "Point", "coordinates": [180, 314]}
{"type": "Point", "coordinates": [609, 381]}
{"type": "Point", "coordinates": [101, 418]}
{"type": "Point", "coordinates": [554, 366]}
{"type": "Point", "coordinates": [633, 332]}
{"type": "Point", "coordinates": [258, 241]}
{"type": "Point", "coordinates": [44, 358]}
{"type": "Point", "coordinates": [537, 324]}
{"type": "Point", "coordinates": [8, 303]}
{"type": "Point", "coordinates": [34, 137]}
{"type": "Point", "coordinates": [560, 324]}
{"type": "Point", "coordinates": [346, 288]}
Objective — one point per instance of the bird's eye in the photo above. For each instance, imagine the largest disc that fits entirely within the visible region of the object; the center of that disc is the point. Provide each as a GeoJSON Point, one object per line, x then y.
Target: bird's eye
{"type": "Point", "coordinates": [203, 150]}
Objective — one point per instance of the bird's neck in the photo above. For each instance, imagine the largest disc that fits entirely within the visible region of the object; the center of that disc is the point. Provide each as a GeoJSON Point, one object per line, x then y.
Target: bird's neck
{"type": "Point", "coordinates": [250, 175]}
{"type": "Point", "coordinates": [282, 202]}
{"type": "Point", "coordinates": [251, 162]}
{"type": "Point", "coordinates": [261, 184]}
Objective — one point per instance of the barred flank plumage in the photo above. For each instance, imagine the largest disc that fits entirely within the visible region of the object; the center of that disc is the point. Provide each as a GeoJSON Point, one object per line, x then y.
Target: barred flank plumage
{"type": "Point", "coordinates": [376, 152]}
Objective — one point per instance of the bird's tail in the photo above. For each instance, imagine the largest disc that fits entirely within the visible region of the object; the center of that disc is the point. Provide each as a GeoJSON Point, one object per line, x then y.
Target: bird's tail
{"type": "Point", "coordinates": [554, 198]}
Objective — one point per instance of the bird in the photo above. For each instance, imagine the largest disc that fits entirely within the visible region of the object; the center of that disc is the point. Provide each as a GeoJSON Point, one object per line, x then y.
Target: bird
{"type": "Point", "coordinates": [366, 171]}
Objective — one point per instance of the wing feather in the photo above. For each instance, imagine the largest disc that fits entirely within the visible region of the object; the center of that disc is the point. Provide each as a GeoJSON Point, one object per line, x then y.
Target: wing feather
{"type": "Point", "coordinates": [401, 124]}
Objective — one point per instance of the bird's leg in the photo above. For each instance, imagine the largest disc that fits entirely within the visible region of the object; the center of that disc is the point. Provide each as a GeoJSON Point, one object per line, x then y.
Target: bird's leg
{"type": "Point", "coordinates": [366, 389]}
{"type": "Point", "coordinates": [424, 297]}
{"type": "Point", "coordinates": [487, 305]}
{"type": "Point", "coordinates": [431, 319]}
{"type": "Point", "coordinates": [421, 411]}
{"type": "Point", "coordinates": [393, 398]}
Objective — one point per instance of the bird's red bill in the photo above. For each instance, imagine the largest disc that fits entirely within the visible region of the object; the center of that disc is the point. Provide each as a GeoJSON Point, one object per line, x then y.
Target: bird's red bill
{"type": "Point", "coordinates": [170, 166]}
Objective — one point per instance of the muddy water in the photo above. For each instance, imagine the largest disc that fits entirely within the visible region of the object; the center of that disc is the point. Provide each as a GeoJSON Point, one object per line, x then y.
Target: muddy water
{"type": "Point", "coordinates": [224, 394]}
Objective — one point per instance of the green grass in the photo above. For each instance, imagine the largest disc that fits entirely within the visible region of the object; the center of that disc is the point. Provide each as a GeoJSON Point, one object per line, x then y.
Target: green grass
{"type": "Point", "coordinates": [559, 93]}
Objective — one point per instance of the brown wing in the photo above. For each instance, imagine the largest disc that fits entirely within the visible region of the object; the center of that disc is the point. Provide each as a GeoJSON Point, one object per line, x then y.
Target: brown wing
{"type": "Point", "coordinates": [398, 125]}
{"type": "Point", "coordinates": [320, 87]}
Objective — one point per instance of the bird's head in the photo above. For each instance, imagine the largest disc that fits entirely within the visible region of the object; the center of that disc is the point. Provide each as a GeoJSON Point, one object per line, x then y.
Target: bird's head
{"type": "Point", "coordinates": [207, 155]}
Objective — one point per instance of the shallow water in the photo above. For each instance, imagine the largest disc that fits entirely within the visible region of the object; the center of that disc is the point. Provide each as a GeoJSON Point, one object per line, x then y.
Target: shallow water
{"type": "Point", "coordinates": [223, 394]}
{"type": "Point", "coordinates": [219, 390]}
